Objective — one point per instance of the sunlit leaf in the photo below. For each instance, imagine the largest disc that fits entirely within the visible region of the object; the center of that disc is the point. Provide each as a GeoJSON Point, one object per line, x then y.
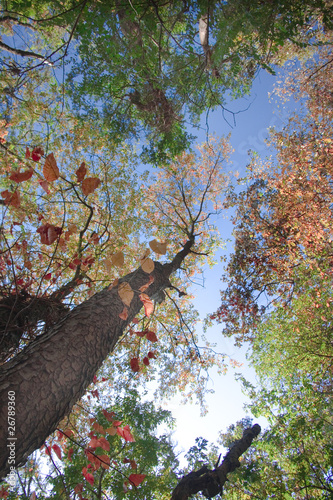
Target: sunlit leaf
{"type": "Point", "coordinates": [158, 247]}
{"type": "Point", "coordinates": [147, 265]}
{"type": "Point", "coordinates": [148, 304]}
{"type": "Point", "coordinates": [126, 293]}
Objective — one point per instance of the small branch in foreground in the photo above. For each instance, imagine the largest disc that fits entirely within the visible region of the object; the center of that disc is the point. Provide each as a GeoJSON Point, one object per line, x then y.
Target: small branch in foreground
{"type": "Point", "coordinates": [210, 482]}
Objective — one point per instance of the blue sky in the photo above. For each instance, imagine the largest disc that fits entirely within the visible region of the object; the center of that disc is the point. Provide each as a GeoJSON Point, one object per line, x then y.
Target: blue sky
{"type": "Point", "coordinates": [255, 114]}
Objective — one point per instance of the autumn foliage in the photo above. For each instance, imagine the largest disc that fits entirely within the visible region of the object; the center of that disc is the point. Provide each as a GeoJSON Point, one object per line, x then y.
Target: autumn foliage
{"type": "Point", "coordinates": [283, 220]}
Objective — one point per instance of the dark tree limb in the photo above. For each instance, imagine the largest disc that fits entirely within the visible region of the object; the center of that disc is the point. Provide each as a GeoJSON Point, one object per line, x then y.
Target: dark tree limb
{"type": "Point", "coordinates": [210, 482]}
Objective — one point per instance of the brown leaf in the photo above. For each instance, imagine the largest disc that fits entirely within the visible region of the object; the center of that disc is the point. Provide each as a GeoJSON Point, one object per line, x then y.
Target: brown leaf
{"type": "Point", "coordinates": [89, 185]}
{"type": "Point", "coordinates": [12, 199]}
{"type": "Point", "coordinates": [158, 247]}
{"type": "Point", "coordinates": [50, 170]}
{"type": "Point", "coordinates": [147, 265]}
{"type": "Point", "coordinates": [81, 172]}
{"type": "Point", "coordinates": [21, 176]}
{"type": "Point", "coordinates": [117, 259]}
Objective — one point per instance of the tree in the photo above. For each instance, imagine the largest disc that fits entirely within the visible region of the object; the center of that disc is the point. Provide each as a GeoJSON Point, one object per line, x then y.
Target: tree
{"type": "Point", "coordinates": [276, 233]}
{"type": "Point", "coordinates": [56, 367]}
{"type": "Point", "coordinates": [151, 67]}
{"type": "Point", "coordinates": [102, 457]}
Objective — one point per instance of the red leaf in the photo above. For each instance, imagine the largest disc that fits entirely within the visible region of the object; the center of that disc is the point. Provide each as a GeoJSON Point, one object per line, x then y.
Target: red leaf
{"type": "Point", "coordinates": [81, 172]}
{"type": "Point", "coordinates": [141, 334]}
{"type": "Point", "coordinates": [108, 415]}
{"type": "Point", "coordinates": [89, 185]}
{"type": "Point", "coordinates": [148, 304]}
{"type": "Point", "coordinates": [100, 443]}
{"type": "Point", "coordinates": [137, 479]}
{"type": "Point", "coordinates": [57, 450]}
{"type": "Point", "coordinates": [48, 450]}
{"type": "Point", "coordinates": [47, 276]}
{"type": "Point", "coordinates": [48, 233]}
{"type": "Point", "coordinates": [135, 364]}
{"type": "Point", "coordinates": [21, 176]}
{"type": "Point", "coordinates": [89, 477]}
{"type": "Point", "coordinates": [45, 186]}
{"type": "Point", "coordinates": [70, 453]}
{"type": "Point", "coordinates": [27, 153]}
{"type": "Point", "coordinates": [37, 153]}
{"type": "Point", "coordinates": [125, 433]}
{"type": "Point", "coordinates": [145, 361]}
{"type": "Point", "coordinates": [151, 355]}
{"type": "Point", "coordinates": [151, 336]}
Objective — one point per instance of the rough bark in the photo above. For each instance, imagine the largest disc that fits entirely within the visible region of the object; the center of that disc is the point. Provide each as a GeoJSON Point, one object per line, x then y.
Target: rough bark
{"type": "Point", "coordinates": [54, 370]}
{"type": "Point", "coordinates": [210, 482]}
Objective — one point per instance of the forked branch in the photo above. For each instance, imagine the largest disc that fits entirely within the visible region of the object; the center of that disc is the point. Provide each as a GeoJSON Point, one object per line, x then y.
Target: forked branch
{"type": "Point", "coordinates": [210, 482]}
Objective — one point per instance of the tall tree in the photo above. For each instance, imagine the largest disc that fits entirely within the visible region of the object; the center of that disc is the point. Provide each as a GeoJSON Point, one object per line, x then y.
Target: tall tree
{"type": "Point", "coordinates": [151, 67]}
{"type": "Point", "coordinates": [56, 367]}
{"type": "Point", "coordinates": [284, 217]}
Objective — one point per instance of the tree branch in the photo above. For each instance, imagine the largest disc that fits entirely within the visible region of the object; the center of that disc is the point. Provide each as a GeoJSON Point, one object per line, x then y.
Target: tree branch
{"type": "Point", "coordinates": [210, 482]}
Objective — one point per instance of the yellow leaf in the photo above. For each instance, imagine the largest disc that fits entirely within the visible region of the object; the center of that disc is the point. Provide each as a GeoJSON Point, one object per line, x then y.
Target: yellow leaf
{"type": "Point", "coordinates": [147, 265]}
{"type": "Point", "coordinates": [126, 293]}
{"type": "Point", "coordinates": [50, 169]}
{"type": "Point", "coordinates": [158, 247]}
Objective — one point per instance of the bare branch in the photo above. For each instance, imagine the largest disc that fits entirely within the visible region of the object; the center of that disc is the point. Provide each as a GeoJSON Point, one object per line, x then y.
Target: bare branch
{"type": "Point", "coordinates": [210, 482]}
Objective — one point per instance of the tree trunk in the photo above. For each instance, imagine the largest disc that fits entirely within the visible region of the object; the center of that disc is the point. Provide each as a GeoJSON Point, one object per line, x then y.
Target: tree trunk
{"type": "Point", "coordinates": [210, 482]}
{"type": "Point", "coordinates": [53, 372]}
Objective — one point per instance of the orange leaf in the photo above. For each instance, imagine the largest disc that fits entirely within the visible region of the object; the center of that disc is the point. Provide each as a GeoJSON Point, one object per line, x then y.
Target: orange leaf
{"type": "Point", "coordinates": [99, 428]}
{"type": "Point", "coordinates": [89, 185]}
{"type": "Point", "coordinates": [148, 304]}
{"type": "Point", "coordinates": [136, 479]}
{"type": "Point", "coordinates": [21, 176]}
{"type": "Point", "coordinates": [81, 172]}
{"type": "Point", "coordinates": [12, 199]}
{"type": "Point", "coordinates": [144, 287]}
{"type": "Point", "coordinates": [50, 170]}
{"type": "Point", "coordinates": [117, 259]}
{"type": "Point", "coordinates": [57, 450]}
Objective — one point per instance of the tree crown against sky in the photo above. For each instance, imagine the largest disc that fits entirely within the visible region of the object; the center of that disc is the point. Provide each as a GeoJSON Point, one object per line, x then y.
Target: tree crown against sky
{"type": "Point", "coordinates": [147, 70]}
{"type": "Point", "coordinates": [73, 204]}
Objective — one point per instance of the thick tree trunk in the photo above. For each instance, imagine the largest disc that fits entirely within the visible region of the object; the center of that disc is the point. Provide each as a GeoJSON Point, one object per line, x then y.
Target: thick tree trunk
{"type": "Point", "coordinates": [53, 372]}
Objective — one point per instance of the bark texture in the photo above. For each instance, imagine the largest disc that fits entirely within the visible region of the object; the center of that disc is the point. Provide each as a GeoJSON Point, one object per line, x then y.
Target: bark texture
{"type": "Point", "coordinates": [210, 482]}
{"type": "Point", "coordinates": [54, 370]}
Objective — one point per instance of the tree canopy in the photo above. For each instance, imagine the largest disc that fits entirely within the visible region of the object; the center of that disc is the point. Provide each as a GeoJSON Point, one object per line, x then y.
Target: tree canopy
{"type": "Point", "coordinates": [98, 255]}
